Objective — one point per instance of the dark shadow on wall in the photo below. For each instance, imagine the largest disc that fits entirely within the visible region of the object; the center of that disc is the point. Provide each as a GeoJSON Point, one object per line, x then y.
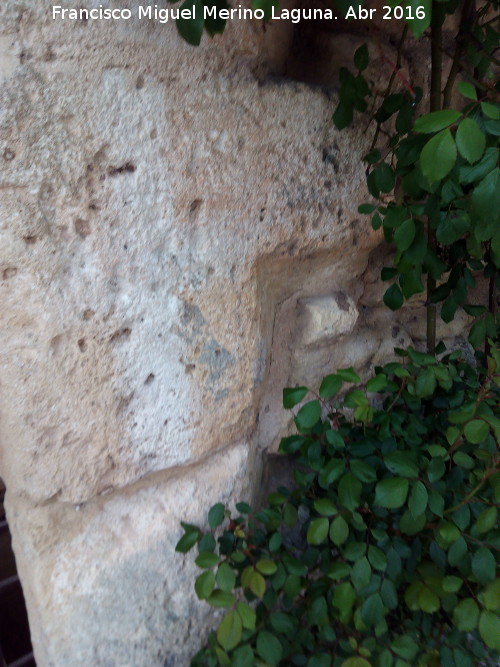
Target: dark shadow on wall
{"type": "Point", "coordinates": [15, 642]}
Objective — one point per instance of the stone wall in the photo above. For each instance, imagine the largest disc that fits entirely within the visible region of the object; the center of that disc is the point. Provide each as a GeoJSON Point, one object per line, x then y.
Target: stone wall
{"type": "Point", "coordinates": [179, 240]}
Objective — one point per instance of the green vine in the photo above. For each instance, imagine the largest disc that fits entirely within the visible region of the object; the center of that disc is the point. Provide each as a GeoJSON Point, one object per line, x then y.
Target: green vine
{"type": "Point", "coordinates": [385, 552]}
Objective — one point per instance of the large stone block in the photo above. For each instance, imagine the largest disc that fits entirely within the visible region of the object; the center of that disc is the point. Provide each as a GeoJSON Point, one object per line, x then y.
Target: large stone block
{"type": "Point", "coordinates": [103, 584]}
{"type": "Point", "coordinates": [145, 185]}
{"type": "Point", "coordinates": [164, 210]}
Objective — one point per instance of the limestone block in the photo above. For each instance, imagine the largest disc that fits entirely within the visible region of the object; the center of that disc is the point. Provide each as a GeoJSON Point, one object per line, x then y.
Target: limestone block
{"type": "Point", "coordinates": [103, 584]}
{"type": "Point", "coordinates": [327, 317]}
{"type": "Point", "coordinates": [159, 204]}
{"type": "Point", "coordinates": [144, 189]}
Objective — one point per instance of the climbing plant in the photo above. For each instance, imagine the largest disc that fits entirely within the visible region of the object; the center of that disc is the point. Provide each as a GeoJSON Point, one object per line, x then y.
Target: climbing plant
{"type": "Point", "coordinates": [436, 176]}
{"type": "Point", "coordinates": [385, 552]}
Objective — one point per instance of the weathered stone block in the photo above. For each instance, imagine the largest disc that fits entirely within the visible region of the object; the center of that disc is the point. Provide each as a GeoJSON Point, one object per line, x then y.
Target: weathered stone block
{"type": "Point", "coordinates": [103, 583]}
{"type": "Point", "coordinates": [327, 317]}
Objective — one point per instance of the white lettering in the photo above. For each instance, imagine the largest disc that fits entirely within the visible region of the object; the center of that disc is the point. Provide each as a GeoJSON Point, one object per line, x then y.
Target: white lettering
{"type": "Point", "coordinates": [145, 12]}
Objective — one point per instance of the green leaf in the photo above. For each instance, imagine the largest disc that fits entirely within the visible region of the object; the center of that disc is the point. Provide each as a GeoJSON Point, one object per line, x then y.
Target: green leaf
{"type": "Point", "coordinates": [222, 657]}
{"type": "Point", "coordinates": [467, 90]}
{"type": "Point", "coordinates": [308, 415]}
{"type": "Point", "coordinates": [428, 600]}
{"type": "Point", "coordinates": [417, 502]}
{"type": "Point", "coordinates": [485, 205]}
{"type": "Point", "coordinates": [421, 12]}
{"type": "Point", "coordinates": [229, 631]}
{"type": "Point", "coordinates": [361, 573]}
{"type": "Point", "coordinates": [466, 614]}
{"type": "Point", "coordinates": [491, 110]}
{"type": "Point", "coordinates": [292, 396]}
{"type": "Point", "coordinates": [339, 531]}
{"type": "Point", "coordinates": [349, 490]}
{"type": "Point", "coordinates": [220, 599]}
{"type": "Point", "coordinates": [269, 647]}
{"type": "Point", "coordinates": [206, 559]}
{"type": "Point", "coordinates": [464, 460]}
{"type": "Point", "coordinates": [226, 578]}
{"type": "Point", "coordinates": [404, 235]}
{"type": "Point", "coordinates": [477, 334]}
{"type": "Point", "coordinates": [317, 531]}
{"type": "Point", "coordinates": [438, 156]}
{"type": "Point", "coordinates": [348, 375]}
{"type": "Point", "coordinates": [451, 584]}
{"type": "Point", "coordinates": [448, 531]}
{"type": "Point", "coordinates": [356, 661]}
{"type": "Point", "coordinates": [384, 176]}
{"type": "Point", "coordinates": [266, 566]}
{"type": "Point", "coordinates": [204, 584]}
{"type": "Point", "coordinates": [471, 174]}
{"type": "Point", "coordinates": [243, 508]}
{"type": "Point", "coordinates": [187, 541]}
{"type": "Point", "coordinates": [436, 120]}
{"type": "Point", "coordinates": [426, 383]}
{"type": "Point", "coordinates": [377, 558]}
{"type": "Point", "coordinates": [344, 596]}
{"type": "Point", "coordinates": [325, 507]}
{"type": "Point", "coordinates": [247, 615]}
{"type": "Point", "coordinates": [400, 463]}
{"type": "Point", "coordinates": [331, 472]}
{"type": "Point", "coordinates": [453, 226]}
{"type": "Point", "coordinates": [457, 551]}
{"type": "Point", "coordinates": [289, 515]}
{"type": "Point", "coordinates": [361, 58]}
{"type": "Point", "coordinates": [393, 298]}
{"type": "Point", "coordinates": [283, 623]}
{"type": "Point", "coordinates": [215, 24]}
{"type": "Point", "coordinates": [489, 629]}
{"type": "Point", "coordinates": [471, 142]}
{"type": "Point", "coordinates": [257, 584]}
{"type": "Point", "coordinates": [243, 657]}
{"type": "Point", "coordinates": [363, 471]}
{"type": "Point", "coordinates": [405, 647]}
{"type": "Point", "coordinates": [339, 571]}
{"type": "Point", "coordinates": [476, 431]}
{"type": "Point", "coordinates": [486, 520]}
{"type": "Point", "coordinates": [191, 29]}
{"type": "Point", "coordinates": [484, 565]}
{"type": "Point", "coordinates": [372, 609]}
{"type": "Point", "coordinates": [389, 594]}
{"type": "Point", "coordinates": [330, 386]}
{"type": "Point", "coordinates": [216, 515]}
{"type": "Point", "coordinates": [490, 597]}
{"type": "Point", "coordinates": [391, 493]}
{"type": "Point", "coordinates": [377, 383]}
{"type": "Point", "coordinates": [343, 115]}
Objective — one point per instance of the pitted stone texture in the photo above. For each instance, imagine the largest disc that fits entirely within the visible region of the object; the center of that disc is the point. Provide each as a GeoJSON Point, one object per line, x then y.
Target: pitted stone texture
{"type": "Point", "coordinates": [103, 584]}
{"type": "Point", "coordinates": [326, 318]}
{"type": "Point", "coordinates": [146, 184]}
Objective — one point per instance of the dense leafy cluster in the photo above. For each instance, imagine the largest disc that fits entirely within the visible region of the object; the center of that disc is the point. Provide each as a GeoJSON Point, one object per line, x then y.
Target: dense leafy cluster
{"type": "Point", "coordinates": [386, 552]}
{"type": "Point", "coordinates": [440, 173]}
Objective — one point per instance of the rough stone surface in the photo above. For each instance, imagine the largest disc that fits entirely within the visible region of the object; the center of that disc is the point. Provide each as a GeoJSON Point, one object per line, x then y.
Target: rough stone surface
{"type": "Point", "coordinates": [104, 583]}
{"type": "Point", "coordinates": [175, 224]}
{"type": "Point", "coordinates": [327, 317]}
{"type": "Point", "coordinates": [146, 192]}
